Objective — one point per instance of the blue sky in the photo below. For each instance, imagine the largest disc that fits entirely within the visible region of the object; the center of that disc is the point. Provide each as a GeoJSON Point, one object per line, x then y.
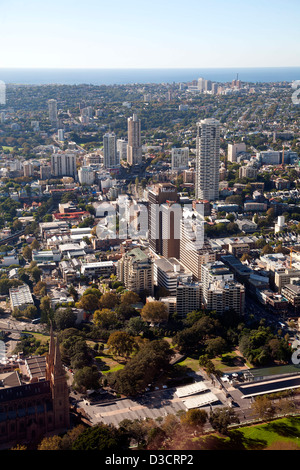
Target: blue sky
{"type": "Point", "coordinates": [146, 34]}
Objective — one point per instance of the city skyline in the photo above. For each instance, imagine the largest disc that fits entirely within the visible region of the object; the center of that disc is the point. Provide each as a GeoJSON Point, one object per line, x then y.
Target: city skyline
{"type": "Point", "coordinates": [163, 35]}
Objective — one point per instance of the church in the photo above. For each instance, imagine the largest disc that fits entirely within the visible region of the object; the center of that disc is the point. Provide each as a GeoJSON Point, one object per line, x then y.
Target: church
{"type": "Point", "coordinates": [39, 408]}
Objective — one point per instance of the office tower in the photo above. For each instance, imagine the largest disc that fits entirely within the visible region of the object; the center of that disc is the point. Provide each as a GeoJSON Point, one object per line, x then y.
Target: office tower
{"type": "Point", "coordinates": [207, 160]}
{"type": "Point", "coordinates": [135, 270]}
{"type": "Point", "coordinates": [52, 107]}
{"type": "Point", "coordinates": [110, 154]}
{"type": "Point", "coordinates": [158, 195]}
{"type": "Point", "coordinates": [63, 164]}
{"type": "Point", "coordinates": [180, 158]}
{"type": "Point", "coordinates": [134, 149]}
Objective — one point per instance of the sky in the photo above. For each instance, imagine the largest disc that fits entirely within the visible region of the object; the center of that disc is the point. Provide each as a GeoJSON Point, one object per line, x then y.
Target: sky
{"type": "Point", "coordinates": [149, 34]}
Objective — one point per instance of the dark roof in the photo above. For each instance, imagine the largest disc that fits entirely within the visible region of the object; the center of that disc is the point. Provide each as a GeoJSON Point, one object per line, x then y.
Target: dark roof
{"type": "Point", "coordinates": [24, 391]}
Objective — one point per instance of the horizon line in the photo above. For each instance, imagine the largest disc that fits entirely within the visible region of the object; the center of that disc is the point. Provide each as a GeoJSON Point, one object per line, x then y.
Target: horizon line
{"type": "Point", "coordinates": [150, 68]}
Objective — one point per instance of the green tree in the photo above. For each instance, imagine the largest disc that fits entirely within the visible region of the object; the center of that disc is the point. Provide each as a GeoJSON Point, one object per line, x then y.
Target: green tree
{"type": "Point", "coordinates": [194, 418]}
{"type": "Point", "coordinates": [221, 418]}
{"type": "Point", "coordinates": [102, 437]}
{"type": "Point", "coordinates": [121, 343]}
{"type": "Point", "coordinates": [64, 318]}
{"type": "Point", "coordinates": [87, 378]}
{"type": "Point", "coordinates": [88, 302]}
{"type": "Point", "coordinates": [155, 312]}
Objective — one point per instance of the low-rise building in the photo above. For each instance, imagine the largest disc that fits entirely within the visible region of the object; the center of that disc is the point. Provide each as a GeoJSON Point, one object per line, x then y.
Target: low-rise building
{"type": "Point", "coordinates": [20, 297]}
{"type": "Point", "coordinates": [95, 270]}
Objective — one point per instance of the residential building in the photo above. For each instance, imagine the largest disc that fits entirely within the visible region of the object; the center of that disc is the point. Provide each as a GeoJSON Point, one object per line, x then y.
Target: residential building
{"type": "Point", "coordinates": [110, 154]}
{"type": "Point", "coordinates": [168, 272]}
{"type": "Point", "coordinates": [86, 175]}
{"type": "Point", "coordinates": [45, 172]}
{"type": "Point", "coordinates": [180, 158]}
{"type": "Point", "coordinates": [134, 148]}
{"type": "Point", "coordinates": [248, 171]}
{"type": "Point", "coordinates": [135, 270]}
{"type": "Point", "coordinates": [95, 270]}
{"type": "Point", "coordinates": [189, 297]}
{"type": "Point", "coordinates": [195, 251]}
{"type": "Point", "coordinates": [234, 150]}
{"type": "Point", "coordinates": [27, 169]}
{"type": "Point", "coordinates": [207, 159]}
{"type": "Point", "coordinates": [63, 164]}
{"type": "Point", "coordinates": [122, 145]}
{"type": "Point", "coordinates": [220, 291]}
{"type": "Point", "coordinates": [52, 108]}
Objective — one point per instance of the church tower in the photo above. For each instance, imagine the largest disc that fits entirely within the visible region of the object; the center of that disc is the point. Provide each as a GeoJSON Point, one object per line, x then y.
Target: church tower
{"type": "Point", "coordinates": [56, 375]}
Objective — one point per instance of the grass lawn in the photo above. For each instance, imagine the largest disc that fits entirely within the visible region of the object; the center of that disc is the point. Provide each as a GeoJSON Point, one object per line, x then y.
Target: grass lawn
{"type": "Point", "coordinates": [108, 363]}
{"type": "Point", "coordinates": [230, 361]}
{"type": "Point", "coordinates": [38, 336]}
{"type": "Point", "coordinates": [286, 430]}
{"type": "Point", "coordinates": [281, 434]}
{"type": "Point", "coordinates": [190, 363]}
{"type": "Point", "coordinates": [114, 369]}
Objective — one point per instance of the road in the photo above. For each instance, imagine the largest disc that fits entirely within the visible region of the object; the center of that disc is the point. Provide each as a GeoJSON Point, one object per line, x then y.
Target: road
{"type": "Point", "coordinates": [156, 404]}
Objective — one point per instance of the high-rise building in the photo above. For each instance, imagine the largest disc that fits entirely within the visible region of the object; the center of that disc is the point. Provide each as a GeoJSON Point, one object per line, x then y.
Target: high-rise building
{"type": "Point", "coordinates": [110, 154]}
{"type": "Point", "coordinates": [135, 270]}
{"type": "Point", "coordinates": [52, 107]}
{"type": "Point", "coordinates": [220, 291]}
{"type": "Point", "coordinates": [86, 175]}
{"type": "Point", "coordinates": [180, 158]}
{"type": "Point", "coordinates": [63, 164]}
{"type": "Point", "coordinates": [167, 272]}
{"type": "Point", "coordinates": [195, 251]}
{"type": "Point", "coordinates": [159, 195]}
{"type": "Point", "coordinates": [122, 145]}
{"type": "Point", "coordinates": [188, 298]}
{"type": "Point", "coordinates": [61, 135]}
{"type": "Point", "coordinates": [134, 149]}
{"type": "Point", "coordinates": [207, 159]}
{"type": "Point", "coordinates": [27, 169]}
{"type": "Point", "coordinates": [234, 150]}
{"type": "Point", "coordinates": [45, 172]}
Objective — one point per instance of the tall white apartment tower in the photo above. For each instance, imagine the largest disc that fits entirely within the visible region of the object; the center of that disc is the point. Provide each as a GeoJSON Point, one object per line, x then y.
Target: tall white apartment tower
{"type": "Point", "coordinates": [134, 149]}
{"type": "Point", "coordinates": [52, 107]}
{"type": "Point", "coordinates": [207, 160]}
{"type": "Point", "coordinates": [111, 156]}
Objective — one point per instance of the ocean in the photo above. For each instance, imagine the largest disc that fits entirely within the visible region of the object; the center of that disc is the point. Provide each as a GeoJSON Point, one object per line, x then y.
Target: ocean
{"type": "Point", "coordinates": [144, 76]}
